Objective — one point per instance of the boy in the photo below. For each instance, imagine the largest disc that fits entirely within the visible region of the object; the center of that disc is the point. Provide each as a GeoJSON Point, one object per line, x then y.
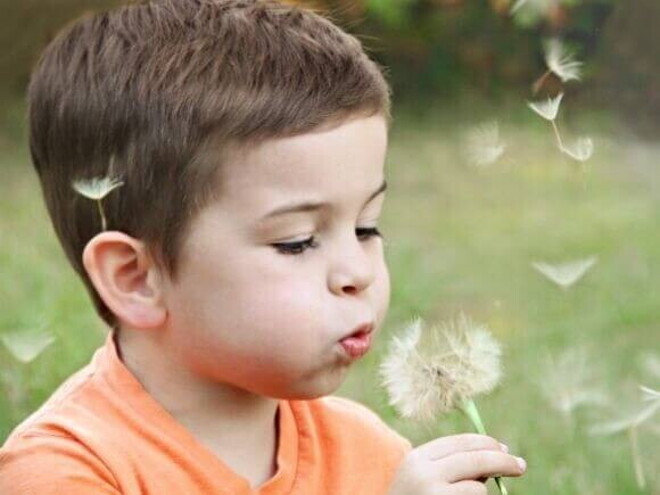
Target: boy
{"type": "Point", "coordinates": [241, 269]}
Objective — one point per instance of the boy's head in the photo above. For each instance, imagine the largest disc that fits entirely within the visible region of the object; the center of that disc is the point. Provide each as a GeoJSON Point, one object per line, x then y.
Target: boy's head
{"type": "Point", "coordinates": [169, 96]}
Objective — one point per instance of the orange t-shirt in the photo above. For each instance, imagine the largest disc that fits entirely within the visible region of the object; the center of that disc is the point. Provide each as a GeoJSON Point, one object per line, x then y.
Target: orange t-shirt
{"type": "Point", "coordinates": [102, 433]}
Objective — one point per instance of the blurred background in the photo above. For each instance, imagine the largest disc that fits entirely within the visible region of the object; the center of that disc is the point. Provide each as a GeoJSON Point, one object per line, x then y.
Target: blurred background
{"type": "Point", "coordinates": [555, 248]}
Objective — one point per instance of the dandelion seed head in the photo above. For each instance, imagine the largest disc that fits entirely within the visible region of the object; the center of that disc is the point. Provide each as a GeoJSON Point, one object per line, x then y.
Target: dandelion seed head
{"type": "Point", "coordinates": [581, 150]}
{"type": "Point", "coordinates": [561, 62]}
{"type": "Point", "coordinates": [96, 188]}
{"type": "Point", "coordinates": [432, 370]}
{"type": "Point", "coordinates": [482, 145]}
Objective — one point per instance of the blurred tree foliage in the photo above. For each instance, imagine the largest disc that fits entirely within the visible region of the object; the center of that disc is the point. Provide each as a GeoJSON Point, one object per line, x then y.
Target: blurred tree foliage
{"type": "Point", "coordinates": [628, 58]}
{"type": "Point", "coordinates": [27, 26]}
{"type": "Point", "coordinates": [440, 46]}
{"type": "Point", "coordinates": [431, 47]}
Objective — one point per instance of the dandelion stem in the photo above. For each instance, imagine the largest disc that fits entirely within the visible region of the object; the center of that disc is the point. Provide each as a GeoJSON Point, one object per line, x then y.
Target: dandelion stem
{"type": "Point", "coordinates": [637, 461]}
{"type": "Point", "coordinates": [469, 408]}
{"type": "Point", "coordinates": [538, 84]}
{"type": "Point", "coordinates": [557, 135]}
{"type": "Point", "coordinates": [103, 220]}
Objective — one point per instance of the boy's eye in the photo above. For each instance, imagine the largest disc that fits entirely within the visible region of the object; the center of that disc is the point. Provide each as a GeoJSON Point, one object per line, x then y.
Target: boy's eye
{"type": "Point", "coordinates": [295, 247]}
{"type": "Point", "coordinates": [368, 232]}
{"type": "Point", "coordinates": [300, 246]}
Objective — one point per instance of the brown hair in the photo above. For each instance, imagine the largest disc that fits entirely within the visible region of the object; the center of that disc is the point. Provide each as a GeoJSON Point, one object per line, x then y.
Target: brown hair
{"type": "Point", "coordinates": [146, 91]}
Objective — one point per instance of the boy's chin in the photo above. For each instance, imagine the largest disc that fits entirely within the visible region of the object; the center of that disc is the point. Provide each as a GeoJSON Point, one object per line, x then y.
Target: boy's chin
{"type": "Point", "coordinates": [316, 389]}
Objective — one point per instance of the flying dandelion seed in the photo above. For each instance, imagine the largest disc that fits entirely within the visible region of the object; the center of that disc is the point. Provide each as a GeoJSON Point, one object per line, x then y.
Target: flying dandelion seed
{"type": "Point", "coordinates": [548, 109]}
{"type": "Point", "coordinates": [650, 394]}
{"type": "Point", "coordinates": [631, 423]}
{"type": "Point", "coordinates": [581, 150]}
{"type": "Point", "coordinates": [532, 9]}
{"type": "Point", "coordinates": [96, 189]}
{"type": "Point", "coordinates": [428, 372]}
{"type": "Point", "coordinates": [516, 6]}
{"type": "Point", "coordinates": [536, 7]}
{"type": "Point", "coordinates": [569, 382]}
{"type": "Point", "coordinates": [565, 275]}
{"type": "Point", "coordinates": [26, 346]}
{"type": "Point", "coordinates": [632, 420]}
{"type": "Point", "coordinates": [559, 62]}
{"type": "Point", "coordinates": [482, 145]}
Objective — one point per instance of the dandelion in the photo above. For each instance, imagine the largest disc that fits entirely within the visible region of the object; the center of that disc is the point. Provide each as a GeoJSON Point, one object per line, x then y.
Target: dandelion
{"type": "Point", "coordinates": [96, 189]}
{"type": "Point", "coordinates": [559, 62]}
{"type": "Point", "coordinates": [565, 275]}
{"type": "Point", "coordinates": [482, 144]}
{"type": "Point", "coordinates": [429, 372]}
{"type": "Point", "coordinates": [631, 423]}
{"type": "Point", "coordinates": [582, 150]}
{"type": "Point", "coordinates": [25, 346]}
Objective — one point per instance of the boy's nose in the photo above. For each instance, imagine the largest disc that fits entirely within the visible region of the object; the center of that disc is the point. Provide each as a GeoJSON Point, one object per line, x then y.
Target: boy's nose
{"type": "Point", "coordinates": [351, 268]}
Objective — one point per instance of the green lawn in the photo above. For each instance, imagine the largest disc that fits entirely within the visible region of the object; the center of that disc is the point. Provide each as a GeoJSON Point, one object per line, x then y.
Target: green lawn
{"type": "Point", "coordinates": [457, 239]}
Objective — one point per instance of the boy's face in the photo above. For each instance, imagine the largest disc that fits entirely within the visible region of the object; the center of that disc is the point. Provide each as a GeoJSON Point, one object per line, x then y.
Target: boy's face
{"type": "Point", "coordinates": [247, 313]}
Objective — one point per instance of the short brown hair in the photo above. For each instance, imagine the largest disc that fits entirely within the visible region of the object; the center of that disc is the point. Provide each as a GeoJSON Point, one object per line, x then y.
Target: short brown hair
{"type": "Point", "coordinates": [143, 93]}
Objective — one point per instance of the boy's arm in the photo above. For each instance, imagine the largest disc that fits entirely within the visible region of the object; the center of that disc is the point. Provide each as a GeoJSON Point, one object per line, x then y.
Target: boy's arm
{"type": "Point", "coordinates": [49, 464]}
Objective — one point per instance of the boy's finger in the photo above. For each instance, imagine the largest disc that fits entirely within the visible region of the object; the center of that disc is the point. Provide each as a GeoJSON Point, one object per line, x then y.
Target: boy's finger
{"type": "Point", "coordinates": [469, 488]}
{"type": "Point", "coordinates": [477, 464]}
{"type": "Point", "coordinates": [444, 446]}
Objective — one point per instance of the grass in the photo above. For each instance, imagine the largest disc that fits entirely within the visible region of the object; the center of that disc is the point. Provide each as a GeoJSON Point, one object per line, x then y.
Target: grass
{"type": "Point", "coordinates": [457, 239]}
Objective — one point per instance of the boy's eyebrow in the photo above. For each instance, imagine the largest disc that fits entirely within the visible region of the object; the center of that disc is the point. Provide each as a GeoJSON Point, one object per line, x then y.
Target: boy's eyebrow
{"type": "Point", "coordinates": [311, 205]}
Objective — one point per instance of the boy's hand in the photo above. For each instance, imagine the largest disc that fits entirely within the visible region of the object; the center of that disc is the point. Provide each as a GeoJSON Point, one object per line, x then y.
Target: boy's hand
{"type": "Point", "coordinates": [454, 465]}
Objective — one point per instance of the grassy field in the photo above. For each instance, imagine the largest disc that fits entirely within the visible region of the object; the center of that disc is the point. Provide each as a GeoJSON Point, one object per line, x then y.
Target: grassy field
{"type": "Point", "coordinates": [457, 239]}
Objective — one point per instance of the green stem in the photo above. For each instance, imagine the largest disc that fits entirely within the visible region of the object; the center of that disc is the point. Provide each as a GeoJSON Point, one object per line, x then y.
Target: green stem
{"type": "Point", "coordinates": [469, 408]}
{"type": "Point", "coordinates": [637, 460]}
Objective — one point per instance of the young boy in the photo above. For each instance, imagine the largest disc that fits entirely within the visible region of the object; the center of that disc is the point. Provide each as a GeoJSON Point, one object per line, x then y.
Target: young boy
{"type": "Point", "coordinates": [240, 268]}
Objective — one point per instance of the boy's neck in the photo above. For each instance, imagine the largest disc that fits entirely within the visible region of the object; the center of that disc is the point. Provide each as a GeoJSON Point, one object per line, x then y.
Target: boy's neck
{"type": "Point", "coordinates": [238, 426]}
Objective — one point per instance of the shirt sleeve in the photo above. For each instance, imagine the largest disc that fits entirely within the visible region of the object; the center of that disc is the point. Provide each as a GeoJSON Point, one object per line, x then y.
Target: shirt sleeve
{"type": "Point", "coordinates": [50, 464]}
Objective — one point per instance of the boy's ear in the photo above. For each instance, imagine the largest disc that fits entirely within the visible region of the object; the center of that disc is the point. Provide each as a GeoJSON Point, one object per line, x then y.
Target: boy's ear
{"type": "Point", "coordinates": [126, 278]}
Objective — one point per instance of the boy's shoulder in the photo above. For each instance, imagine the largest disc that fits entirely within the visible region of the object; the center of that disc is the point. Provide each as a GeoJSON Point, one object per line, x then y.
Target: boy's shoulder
{"type": "Point", "coordinates": [75, 410]}
{"type": "Point", "coordinates": [57, 441]}
{"type": "Point", "coordinates": [37, 460]}
{"type": "Point", "coordinates": [344, 417]}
